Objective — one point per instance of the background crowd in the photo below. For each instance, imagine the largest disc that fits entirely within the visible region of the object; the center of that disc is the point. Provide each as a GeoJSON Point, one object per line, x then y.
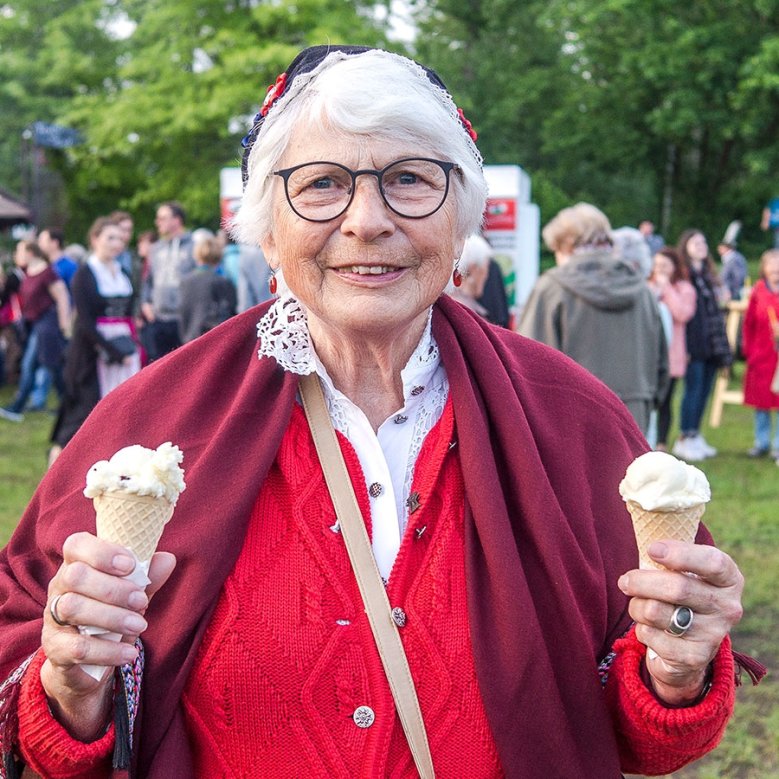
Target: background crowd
{"type": "Point", "coordinates": [82, 320]}
{"type": "Point", "coordinates": [639, 313]}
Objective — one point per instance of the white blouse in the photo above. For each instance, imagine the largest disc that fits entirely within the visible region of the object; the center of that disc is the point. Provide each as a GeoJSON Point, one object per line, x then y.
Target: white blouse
{"type": "Point", "coordinates": [387, 457]}
{"type": "Point", "coordinates": [111, 282]}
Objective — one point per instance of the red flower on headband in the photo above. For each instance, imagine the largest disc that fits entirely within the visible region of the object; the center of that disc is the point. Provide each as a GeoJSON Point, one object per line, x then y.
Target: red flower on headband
{"type": "Point", "coordinates": [467, 125]}
{"type": "Point", "coordinates": [275, 91]}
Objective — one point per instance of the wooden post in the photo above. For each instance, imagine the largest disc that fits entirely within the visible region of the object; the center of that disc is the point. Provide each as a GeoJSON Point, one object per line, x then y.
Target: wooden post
{"type": "Point", "coordinates": [722, 395]}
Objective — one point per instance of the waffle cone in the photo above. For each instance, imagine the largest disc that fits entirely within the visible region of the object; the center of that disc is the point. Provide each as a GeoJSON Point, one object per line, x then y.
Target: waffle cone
{"type": "Point", "coordinates": [134, 521]}
{"type": "Point", "coordinates": [649, 526]}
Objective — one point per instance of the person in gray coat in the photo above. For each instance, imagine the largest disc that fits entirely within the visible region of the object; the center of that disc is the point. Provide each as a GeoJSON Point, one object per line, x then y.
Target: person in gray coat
{"type": "Point", "coordinates": [207, 299]}
{"type": "Point", "coordinates": [598, 309]}
{"type": "Point", "coordinates": [253, 275]}
{"type": "Point", "coordinates": [170, 259]}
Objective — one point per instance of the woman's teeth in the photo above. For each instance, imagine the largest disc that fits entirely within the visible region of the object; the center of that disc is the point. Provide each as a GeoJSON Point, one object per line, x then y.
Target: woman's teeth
{"type": "Point", "coordinates": [372, 270]}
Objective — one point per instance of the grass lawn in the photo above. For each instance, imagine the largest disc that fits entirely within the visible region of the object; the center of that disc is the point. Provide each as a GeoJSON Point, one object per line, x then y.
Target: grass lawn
{"type": "Point", "coordinates": [743, 516]}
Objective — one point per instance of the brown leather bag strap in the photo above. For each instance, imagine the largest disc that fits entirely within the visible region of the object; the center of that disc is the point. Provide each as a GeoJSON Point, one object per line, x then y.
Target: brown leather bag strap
{"type": "Point", "coordinates": [374, 595]}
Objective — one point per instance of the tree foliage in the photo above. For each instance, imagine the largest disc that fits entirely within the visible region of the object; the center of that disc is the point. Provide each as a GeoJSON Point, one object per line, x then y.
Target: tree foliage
{"type": "Point", "coordinates": [161, 90]}
{"type": "Point", "coordinates": [649, 108]}
{"type": "Point", "coordinates": [50, 53]}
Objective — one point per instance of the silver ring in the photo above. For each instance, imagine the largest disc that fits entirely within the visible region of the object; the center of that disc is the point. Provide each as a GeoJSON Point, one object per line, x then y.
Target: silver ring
{"type": "Point", "coordinates": [681, 621]}
{"type": "Point", "coordinates": [53, 611]}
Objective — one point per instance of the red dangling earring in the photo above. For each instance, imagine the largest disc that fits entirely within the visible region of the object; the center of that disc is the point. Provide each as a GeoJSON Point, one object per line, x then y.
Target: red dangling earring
{"type": "Point", "coordinates": [272, 284]}
{"type": "Point", "coordinates": [457, 277]}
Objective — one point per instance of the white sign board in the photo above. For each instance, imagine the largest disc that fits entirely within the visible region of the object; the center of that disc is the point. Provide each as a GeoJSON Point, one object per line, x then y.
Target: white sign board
{"type": "Point", "coordinates": [512, 226]}
{"type": "Point", "coordinates": [230, 193]}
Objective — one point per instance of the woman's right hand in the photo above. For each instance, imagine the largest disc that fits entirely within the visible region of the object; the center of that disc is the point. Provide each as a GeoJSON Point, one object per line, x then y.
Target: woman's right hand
{"type": "Point", "coordinates": [93, 592]}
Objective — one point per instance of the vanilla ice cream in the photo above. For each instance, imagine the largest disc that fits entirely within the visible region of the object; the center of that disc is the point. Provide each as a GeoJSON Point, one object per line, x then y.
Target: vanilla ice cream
{"type": "Point", "coordinates": [137, 470]}
{"type": "Point", "coordinates": [666, 498]}
{"type": "Point", "coordinates": [659, 482]}
{"type": "Point", "coordinates": [134, 494]}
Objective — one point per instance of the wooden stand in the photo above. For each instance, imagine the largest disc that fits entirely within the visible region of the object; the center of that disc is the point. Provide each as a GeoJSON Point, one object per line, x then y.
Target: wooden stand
{"type": "Point", "coordinates": [722, 395]}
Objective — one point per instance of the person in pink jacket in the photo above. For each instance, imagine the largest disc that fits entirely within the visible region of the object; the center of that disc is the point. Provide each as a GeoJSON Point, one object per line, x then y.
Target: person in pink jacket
{"type": "Point", "coordinates": [669, 282]}
{"type": "Point", "coordinates": [760, 337]}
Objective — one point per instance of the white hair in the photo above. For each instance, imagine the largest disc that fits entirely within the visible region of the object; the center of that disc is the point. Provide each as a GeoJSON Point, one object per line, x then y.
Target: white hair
{"type": "Point", "coordinates": [476, 254]}
{"type": "Point", "coordinates": [376, 95]}
{"type": "Point", "coordinates": [201, 234]}
{"type": "Point", "coordinates": [631, 247]}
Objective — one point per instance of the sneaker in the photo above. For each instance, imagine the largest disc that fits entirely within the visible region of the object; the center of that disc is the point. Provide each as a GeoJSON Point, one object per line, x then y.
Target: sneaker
{"type": "Point", "coordinates": [11, 416]}
{"type": "Point", "coordinates": [757, 451]}
{"type": "Point", "coordinates": [688, 449]}
{"type": "Point", "coordinates": [707, 449]}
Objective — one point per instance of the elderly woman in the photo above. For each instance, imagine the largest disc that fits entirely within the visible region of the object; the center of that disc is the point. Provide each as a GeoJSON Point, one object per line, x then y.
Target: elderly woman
{"type": "Point", "coordinates": [485, 469]}
{"type": "Point", "coordinates": [470, 274]}
{"type": "Point", "coordinates": [596, 308]}
{"type": "Point", "coordinates": [632, 248]}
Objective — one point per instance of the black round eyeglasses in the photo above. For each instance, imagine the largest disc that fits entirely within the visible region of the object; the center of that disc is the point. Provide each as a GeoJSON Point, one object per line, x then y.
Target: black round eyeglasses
{"type": "Point", "coordinates": [414, 187]}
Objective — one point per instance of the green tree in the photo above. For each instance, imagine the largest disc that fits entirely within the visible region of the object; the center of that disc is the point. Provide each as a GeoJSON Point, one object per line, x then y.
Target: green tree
{"type": "Point", "coordinates": [195, 74]}
{"type": "Point", "coordinates": [162, 91]}
{"type": "Point", "coordinates": [757, 103]}
{"type": "Point", "coordinates": [644, 107]}
{"type": "Point", "coordinates": [50, 52]}
{"type": "Point", "coordinates": [499, 58]}
{"type": "Point", "coordinates": [654, 104]}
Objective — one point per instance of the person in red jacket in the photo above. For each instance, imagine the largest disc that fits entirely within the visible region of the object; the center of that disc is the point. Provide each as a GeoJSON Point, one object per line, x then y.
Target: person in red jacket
{"type": "Point", "coordinates": [760, 340]}
{"type": "Point", "coordinates": [485, 468]}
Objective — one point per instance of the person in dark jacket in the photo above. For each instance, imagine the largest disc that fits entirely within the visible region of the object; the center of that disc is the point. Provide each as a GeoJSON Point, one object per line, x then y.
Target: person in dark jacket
{"type": "Point", "coordinates": [707, 345]}
{"type": "Point", "coordinates": [104, 350]}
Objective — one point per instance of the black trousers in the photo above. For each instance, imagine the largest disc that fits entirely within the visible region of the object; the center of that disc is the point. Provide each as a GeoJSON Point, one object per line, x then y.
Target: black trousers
{"type": "Point", "coordinates": [163, 337]}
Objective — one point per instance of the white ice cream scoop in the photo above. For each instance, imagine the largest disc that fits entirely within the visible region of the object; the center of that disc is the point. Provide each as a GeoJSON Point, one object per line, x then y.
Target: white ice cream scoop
{"type": "Point", "coordinates": [659, 482]}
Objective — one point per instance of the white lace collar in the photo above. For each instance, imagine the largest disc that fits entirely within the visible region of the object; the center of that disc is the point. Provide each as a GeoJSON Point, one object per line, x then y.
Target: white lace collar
{"type": "Point", "coordinates": [284, 336]}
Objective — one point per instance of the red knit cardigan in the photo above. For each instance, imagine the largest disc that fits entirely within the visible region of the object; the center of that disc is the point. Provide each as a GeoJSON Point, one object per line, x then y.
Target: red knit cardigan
{"type": "Point", "coordinates": [543, 446]}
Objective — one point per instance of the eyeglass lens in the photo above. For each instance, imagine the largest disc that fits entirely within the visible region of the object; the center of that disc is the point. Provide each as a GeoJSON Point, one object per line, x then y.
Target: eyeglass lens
{"type": "Point", "coordinates": [320, 191]}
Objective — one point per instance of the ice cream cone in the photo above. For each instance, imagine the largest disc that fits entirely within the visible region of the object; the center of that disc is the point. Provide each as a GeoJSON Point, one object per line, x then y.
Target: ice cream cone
{"type": "Point", "coordinates": [135, 521]}
{"type": "Point", "coordinates": [649, 526]}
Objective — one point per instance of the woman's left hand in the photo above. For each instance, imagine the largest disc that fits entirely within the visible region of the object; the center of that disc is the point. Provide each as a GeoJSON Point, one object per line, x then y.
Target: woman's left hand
{"type": "Point", "coordinates": [678, 663]}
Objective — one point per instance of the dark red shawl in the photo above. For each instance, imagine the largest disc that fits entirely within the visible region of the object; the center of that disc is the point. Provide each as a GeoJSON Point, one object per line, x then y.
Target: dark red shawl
{"type": "Point", "coordinates": [543, 446]}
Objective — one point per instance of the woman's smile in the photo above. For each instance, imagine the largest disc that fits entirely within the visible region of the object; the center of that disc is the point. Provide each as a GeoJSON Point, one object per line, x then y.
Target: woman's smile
{"type": "Point", "coordinates": [370, 274]}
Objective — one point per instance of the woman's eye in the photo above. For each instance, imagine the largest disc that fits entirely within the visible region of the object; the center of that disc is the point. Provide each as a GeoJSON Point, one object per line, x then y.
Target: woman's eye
{"type": "Point", "coordinates": [323, 183]}
{"type": "Point", "coordinates": [407, 178]}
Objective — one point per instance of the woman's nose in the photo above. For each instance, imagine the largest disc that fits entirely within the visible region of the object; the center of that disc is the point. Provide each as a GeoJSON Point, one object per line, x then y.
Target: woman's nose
{"type": "Point", "coordinates": [368, 215]}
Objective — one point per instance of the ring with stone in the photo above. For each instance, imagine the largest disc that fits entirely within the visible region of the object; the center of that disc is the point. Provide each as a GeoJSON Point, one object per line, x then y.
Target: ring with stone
{"type": "Point", "coordinates": [681, 621]}
{"type": "Point", "coordinates": [53, 611]}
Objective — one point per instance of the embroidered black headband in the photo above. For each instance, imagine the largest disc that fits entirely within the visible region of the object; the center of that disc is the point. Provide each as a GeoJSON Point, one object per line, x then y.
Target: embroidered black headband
{"type": "Point", "coordinates": [305, 62]}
